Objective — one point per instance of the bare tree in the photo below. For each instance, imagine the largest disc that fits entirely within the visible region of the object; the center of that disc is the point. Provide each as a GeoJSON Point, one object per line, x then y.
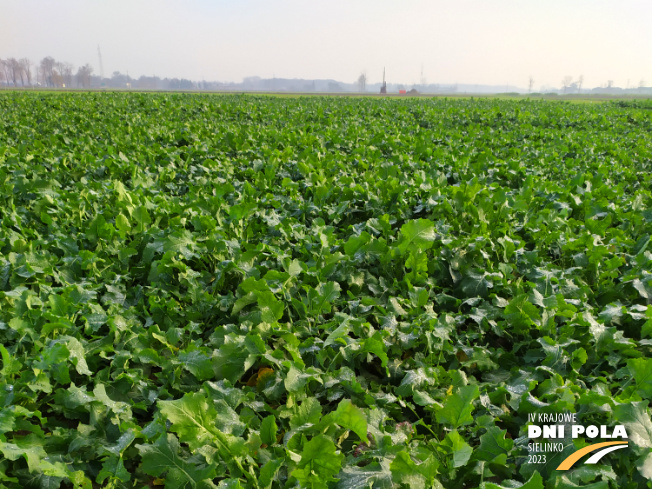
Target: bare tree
{"type": "Point", "coordinates": [610, 83]}
{"type": "Point", "coordinates": [67, 73]}
{"type": "Point", "coordinates": [27, 69]}
{"type": "Point", "coordinates": [530, 84]}
{"type": "Point", "coordinates": [83, 76]}
{"type": "Point", "coordinates": [47, 71]}
{"type": "Point", "coordinates": [6, 70]}
{"type": "Point", "coordinates": [362, 82]}
{"type": "Point", "coordinates": [566, 82]}
{"type": "Point", "coordinates": [21, 72]}
{"type": "Point", "coordinates": [14, 67]}
{"type": "Point", "coordinates": [57, 79]}
{"type": "Point", "coordinates": [64, 70]}
{"type": "Point", "coordinates": [579, 82]}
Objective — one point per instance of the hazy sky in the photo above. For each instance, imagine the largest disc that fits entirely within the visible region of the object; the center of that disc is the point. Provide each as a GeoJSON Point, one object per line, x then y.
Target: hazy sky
{"type": "Point", "coordinates": [463, 41]}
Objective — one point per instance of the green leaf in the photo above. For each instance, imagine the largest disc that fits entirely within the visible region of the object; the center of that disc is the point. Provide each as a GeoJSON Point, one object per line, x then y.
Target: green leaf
{"type": "Point", "coordinates": [179, 242]}
{"type": "Point", "coordinates": [77, 354]}
{"type": "Point", "coordinates": [355, 243]}
{"type": "Point", "coordinates": [563, 482]}
{"type": "Point", "coordinates": [164, 457]}
{"type": "Point", "coordinates": [458, 447]}
{"type": "Point", "coordinates": [309, 412]}
{"type": "Point", "coordinates": [636, 418]}
{"type": "Point", "coordinates": [326, 294]}
{"type": "Point", "coordinates": [579, 358]}
{"type": "Point", "coordinates": [232, 359]}
{"type": "Point", "coordinates": [271, 309]}
{"type": "Point", "coordinates": [494, 446]}
{"type": "Point", "coordinates": [268, 431]}
{"type": "Point", "coordinates": [459, 406]}
{"type": "Point", "coordinates": [521, 313]}
{"type": "Point", "coordinates": [351, 417]}
{"type": "Point", "coordinates": [142, 219]}
{"type": "Point", "coordinates": [269, 471]}
{"type": "Point", "coordinates": [534, 482]}
{"type": "Point", "coordinates": [31, 448]}
{"type": "Point", "coordinates": [644, 465]}
{"type": "Point", "coordinates": [122, 224]}
{"type": "Point", "coordinates": [405, 471]}
{"type": "Point", "coordinates": [192, 418]}
{"type": "Point", "coordinates": [10, 365]}
{"type": "Point", "coordinates": [197, 363]}
{"type": "Point", "coordinates": [475, 284]}
{"type": "Point", "coordinates": [319, 463]}
{"type": "Point", "coordinates": [373, 475]}
{"type": "Point", "coordinates": [227, 420]}
{"type": "Point", "coordinates": [641, 370]}
{"type": "Point", "coordinates": [376, 346]}
{"type": "Point", "coordinates": [417, 235]}
{"type": "Point", "coordinates": [113, 469]}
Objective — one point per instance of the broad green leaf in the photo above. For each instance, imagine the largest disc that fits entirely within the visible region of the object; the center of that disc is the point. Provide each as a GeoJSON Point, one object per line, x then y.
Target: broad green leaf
{"type": "Point", "coordinates": [376, 346]}
{"type": "Point", "coordinates": [458, 407]}
{"type": "Point", "coordinates": [227, 420]}
{"type": "Point", "coordinates": [232, 360]}
{"type": "Point", "coordinates": [10, 365]}
{"type": "Point", "coordinates": [534, 482]}
{"type": "Point", "coordinates": [521, 313]}
{"type": "Point", "coordinates": [563, 482]}
{"type": "Point", "coordinates": [122, 224]}
{"type": "Point", "coordinates": [354, 244]}
{"type": "Point", "coordinates": [405, 471]}
{"type": "Point", "coordinates": [458, 447]}
{"type": "Point", "coordinates": [77, 354]}
{"type": "Point", "coordinates": [636, 418]}
{"type": "Point", "coordinates": [142, 218]}
{"type": "Point", "coordinates": [197, 363]}
{"type": "Point", "coordinates": [417, 235]}
{"type": "Point", "coordinates": [644, 465]}
{"type": "Point", "coordinates": [326, 294]}
{"type": "Point", "coordinates": [475, 284]}
{"type": "Point", "coordinates": [494, 446]}
{"type": "Point", "coordinates": [164, 458]}
{"type": "Point", "coordinates": [31, 449]}
{"type": "Point", "coordinates": [373, 475]}
{"type": "Point", "coordinates": [113, 468]}
{"type": "Point", "coordinates": [309, 411]}
{"type": "Point", "coordinates": [268, 430]}
{"type": "Point", "coordinates": [351, 417]}
{"type": "Point", "coordinates": [319, 463]}
{"type": "Point", "coordinates": [269, 471]}
{"type": "Point", "coordinates": [641, 370]}
{"type": "Point", "coordinates": [192, 418]}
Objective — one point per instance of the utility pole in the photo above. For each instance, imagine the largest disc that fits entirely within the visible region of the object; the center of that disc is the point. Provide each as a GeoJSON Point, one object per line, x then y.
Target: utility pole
{"type": "Point", "coordinates": [99, 55]}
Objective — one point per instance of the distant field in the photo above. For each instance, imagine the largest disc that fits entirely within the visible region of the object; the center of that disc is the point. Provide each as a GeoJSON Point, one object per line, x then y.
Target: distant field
{"type": "Point", "coordinates": [277, 291]}
{"type": "Point", "coordinates": [574, 97]}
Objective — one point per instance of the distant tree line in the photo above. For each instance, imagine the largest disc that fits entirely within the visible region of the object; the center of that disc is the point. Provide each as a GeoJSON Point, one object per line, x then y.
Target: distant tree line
{"type": "Point", "coordinates": [51, 73]}
{"type": "Point", "coordinates": [48, 73]}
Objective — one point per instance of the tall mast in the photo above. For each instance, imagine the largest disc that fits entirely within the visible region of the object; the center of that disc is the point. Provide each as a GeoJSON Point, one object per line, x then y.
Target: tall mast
{"type": "Point", "coordinates": [383, 88]}
{"type": "Point", "coordinates": [99, 55]}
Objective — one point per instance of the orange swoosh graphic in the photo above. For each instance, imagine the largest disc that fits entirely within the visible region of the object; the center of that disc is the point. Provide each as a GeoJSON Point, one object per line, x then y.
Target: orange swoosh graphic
{"type": "Point", "coordinates": [574, 457]}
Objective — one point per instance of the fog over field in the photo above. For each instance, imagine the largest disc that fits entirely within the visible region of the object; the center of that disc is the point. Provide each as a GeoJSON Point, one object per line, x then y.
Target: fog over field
{"type": "Point", "coordinates": [535, 46]}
